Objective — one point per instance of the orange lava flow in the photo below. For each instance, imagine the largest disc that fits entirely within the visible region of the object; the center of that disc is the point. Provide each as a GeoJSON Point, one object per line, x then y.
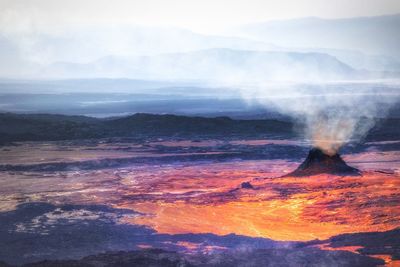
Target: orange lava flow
{"type": "Point", "coordinates": [353, 249]}
{"type": "Point", "coordinates": [287, 208]}
{"type": "Point", "coordinates": [388, 260]}
{"type": "Point", "coordinates": [207, 196]}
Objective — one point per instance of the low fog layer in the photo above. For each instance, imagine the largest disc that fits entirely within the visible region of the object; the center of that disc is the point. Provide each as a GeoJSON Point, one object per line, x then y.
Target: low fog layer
{"type": "Point", "coordinates": [334, 75]}
{"type": "Point", "coordinates": [287, 50]}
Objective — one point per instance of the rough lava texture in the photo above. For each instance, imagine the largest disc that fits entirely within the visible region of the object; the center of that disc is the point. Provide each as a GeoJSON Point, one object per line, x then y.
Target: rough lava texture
{"type": "Point", "coordinates": [318, 162]}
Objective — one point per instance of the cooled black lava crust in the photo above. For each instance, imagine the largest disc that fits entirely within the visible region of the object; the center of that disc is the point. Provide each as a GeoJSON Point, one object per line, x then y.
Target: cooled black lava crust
{"type": "Point", "coordinates": [318, 162]}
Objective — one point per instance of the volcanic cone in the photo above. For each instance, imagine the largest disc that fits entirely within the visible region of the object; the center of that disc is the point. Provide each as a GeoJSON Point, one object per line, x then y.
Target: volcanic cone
{"type": "Point", "coordinates": [318, 162]}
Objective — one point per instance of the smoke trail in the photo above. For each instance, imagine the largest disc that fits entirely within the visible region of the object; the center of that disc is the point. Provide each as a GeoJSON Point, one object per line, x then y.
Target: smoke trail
{"type": "Point", "coordinates": [333, 114]}
{"type": "Point", "coordinates": [330, 130]}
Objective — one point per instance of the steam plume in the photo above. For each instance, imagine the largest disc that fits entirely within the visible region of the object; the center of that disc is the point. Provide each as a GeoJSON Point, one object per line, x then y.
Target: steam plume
{"type": "Point", "coordinates": [332, 114]}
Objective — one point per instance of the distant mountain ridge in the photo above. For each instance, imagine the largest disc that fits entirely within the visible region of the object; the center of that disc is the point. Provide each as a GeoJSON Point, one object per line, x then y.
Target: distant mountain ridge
{"type": "Point", "coordinates": [368, 44]}
{"type": "Point", "coordinates": [40, 127]}
{"type": "Point", "coordinates": [50, 127]}
{"type": "Point", "coordinates": [219, 64]}
{"type": "Point", "coordinates": [379, 35]}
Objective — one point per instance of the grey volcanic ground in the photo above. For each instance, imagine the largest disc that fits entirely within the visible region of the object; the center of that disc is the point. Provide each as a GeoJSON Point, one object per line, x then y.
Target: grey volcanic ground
{"type": "Point", "coordinates": [95, 172]}
{"type": "Point", "coordinates": [57, 197]}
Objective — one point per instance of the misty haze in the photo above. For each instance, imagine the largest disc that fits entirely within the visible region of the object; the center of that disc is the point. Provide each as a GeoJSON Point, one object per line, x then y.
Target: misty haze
{"type": "Point", "coordinates": [199, 133]}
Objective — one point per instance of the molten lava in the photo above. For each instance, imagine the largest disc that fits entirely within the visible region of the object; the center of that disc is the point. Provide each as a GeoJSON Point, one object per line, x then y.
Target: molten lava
{"type": "Point", "coordinates": [319, 162]}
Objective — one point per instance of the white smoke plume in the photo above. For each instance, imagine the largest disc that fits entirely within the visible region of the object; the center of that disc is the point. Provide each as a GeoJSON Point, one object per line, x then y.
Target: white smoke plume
{"type": "Point", "coordinates": [333, 114]}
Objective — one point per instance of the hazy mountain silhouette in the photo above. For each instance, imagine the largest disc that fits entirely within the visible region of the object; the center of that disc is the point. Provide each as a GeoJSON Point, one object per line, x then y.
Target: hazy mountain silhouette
{"type": "Point", "coordinates": [372, 35]}
{"type": "Point", "coordinates": [224, 65]}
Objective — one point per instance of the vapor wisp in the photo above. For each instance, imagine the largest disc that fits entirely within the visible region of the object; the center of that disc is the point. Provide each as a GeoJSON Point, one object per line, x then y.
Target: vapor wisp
{"type": "Point", "coordinates": [330, 115]}
{"type": "Point", "coordinates": [329, 131]}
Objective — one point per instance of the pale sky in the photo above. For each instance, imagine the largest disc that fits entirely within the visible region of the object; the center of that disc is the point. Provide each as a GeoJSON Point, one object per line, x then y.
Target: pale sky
{"type": "Point", "coordinates": [206, 16]}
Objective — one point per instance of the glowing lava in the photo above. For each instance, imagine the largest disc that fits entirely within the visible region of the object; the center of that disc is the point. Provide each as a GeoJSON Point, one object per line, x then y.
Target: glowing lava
{"type": "Point", "coordinates": [205, 196]}
{"type": "Point", "coordinates": [284, 208]}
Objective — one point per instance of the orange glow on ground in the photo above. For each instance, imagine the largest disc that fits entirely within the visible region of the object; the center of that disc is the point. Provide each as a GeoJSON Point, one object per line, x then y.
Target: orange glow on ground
{"type": "Point", "coordinates": [327, 246]}
{"type": "Point", "coordinates": [388, 260]}
{"type": "Point", "coordinates": [354, 249]}
{"type": "Point", "coordinates": [283, 208]}
{"type": "Point", "coordinates": [205, 196]}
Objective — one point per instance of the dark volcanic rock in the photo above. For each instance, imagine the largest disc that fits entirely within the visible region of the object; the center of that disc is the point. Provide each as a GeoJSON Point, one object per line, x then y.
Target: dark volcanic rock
{"type": "Point", "coordinates": [48, 127]}
{"type": "Point", "coordinates": [247, 185]}
{"type": "Point", "coordinates": [373, 243]}
{"type": "Point", "coordinates": [370, 243]}
{"type": "Point", "coordinates": [260, 257]}
{"type": "Point", "coordinates": [152, 257]}
{"type": "Point", "coordinates": [72, 232]}
{"type": "Point", "coordinates": [318, 162]}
